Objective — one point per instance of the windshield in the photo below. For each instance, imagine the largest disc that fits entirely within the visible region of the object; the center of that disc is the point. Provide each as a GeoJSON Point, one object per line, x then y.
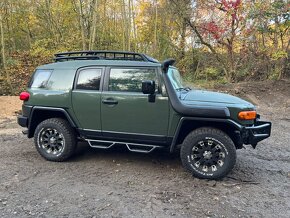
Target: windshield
{"type": "Point", "coordinates": [175, 78]}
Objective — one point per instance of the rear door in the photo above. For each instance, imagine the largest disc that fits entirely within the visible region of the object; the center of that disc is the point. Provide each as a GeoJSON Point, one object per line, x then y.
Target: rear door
{"type": "Point", "coordinates": [126, 112]}
{"type": "Point", "coordinates": [86, 99]}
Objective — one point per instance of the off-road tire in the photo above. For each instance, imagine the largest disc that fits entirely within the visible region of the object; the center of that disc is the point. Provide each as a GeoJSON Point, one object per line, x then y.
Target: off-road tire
{"type": "Point", "coordinates": [198, 144]}
{"type": "Point", "coordinates": [65, 133]}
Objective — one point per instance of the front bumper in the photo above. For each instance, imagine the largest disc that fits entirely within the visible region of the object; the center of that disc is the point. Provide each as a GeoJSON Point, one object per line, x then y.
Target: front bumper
{"type": "Point", "coordinates": [251, 135]}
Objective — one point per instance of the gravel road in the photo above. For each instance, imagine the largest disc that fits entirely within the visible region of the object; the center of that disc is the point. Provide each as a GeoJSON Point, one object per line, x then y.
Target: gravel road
{"type": "Point", "coordinates": [117, 183]}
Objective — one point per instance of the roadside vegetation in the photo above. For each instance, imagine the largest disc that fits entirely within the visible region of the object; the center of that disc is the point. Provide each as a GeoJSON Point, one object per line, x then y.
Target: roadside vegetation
{"type": "Point", "coordinates": [213, 41]}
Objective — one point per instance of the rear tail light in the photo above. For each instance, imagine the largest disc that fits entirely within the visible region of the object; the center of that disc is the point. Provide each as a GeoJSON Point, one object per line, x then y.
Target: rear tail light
{"type": "Point", "coordinates": [247, 115]}
{"type": "Point", "coordinates": [24, 96]}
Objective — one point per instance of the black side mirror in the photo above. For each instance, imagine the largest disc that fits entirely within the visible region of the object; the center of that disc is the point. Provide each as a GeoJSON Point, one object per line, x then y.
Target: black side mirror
{"type": "Point", "coordinates": [148, 87]}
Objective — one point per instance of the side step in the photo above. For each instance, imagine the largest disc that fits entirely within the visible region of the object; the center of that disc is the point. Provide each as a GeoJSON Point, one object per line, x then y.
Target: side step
{"type": "Point", "coordinates": [134, 147]}
{"type": "Point", "coordinates": [101, 144]}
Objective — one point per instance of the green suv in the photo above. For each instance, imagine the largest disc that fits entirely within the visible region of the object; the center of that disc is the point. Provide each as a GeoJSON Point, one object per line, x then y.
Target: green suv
{"type": "Point", "coordinates": [113, 98]}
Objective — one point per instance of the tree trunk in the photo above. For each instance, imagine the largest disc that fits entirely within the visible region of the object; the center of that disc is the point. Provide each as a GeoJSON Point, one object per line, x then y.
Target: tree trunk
{"type": "Point", "coordinates": [79, 11]}
{"type": "Point", "coordinates": [155, 27]}
{"type": "Point", "coordinates": [183, 38]}
{"type": "Point", "coordinates": [2, 43]}
{"type": "Point", "coordinates": [49, 20]}
{"type": "Point", "coordinates": [104, 29]}
{"type": "Point", "coordinates": [94, 25]}
{"type": "Point", "coordinates": [124, 25]}
{"type": "Point", "coordinates": [8, 80]}
{"type": "Point", "coordinates": [129, 24]}
{"type": "Point", "coordinates": [231, 69]}
{"type": "Point", "coordinates": [134, 26]}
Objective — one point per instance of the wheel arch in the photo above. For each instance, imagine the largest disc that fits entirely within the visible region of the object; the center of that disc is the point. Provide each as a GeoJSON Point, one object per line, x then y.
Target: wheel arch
{"type": "Point", "coordinates": [188, 124]}
{"type": "Point", "coordinates": [39, 114]}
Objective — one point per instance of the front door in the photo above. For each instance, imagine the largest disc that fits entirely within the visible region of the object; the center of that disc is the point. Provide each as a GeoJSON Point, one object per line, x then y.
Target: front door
{"type": "Point", "coordinates": [126, 112]}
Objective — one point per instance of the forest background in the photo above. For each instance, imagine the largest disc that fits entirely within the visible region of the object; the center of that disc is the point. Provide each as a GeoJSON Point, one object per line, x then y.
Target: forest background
{"type": "Point", "coordinates": [213, 41]}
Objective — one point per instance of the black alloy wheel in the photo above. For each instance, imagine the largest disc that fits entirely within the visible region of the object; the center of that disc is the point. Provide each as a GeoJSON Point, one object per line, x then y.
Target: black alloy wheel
{"type": "Point", "coordinates": [55, 139]}
{"type": "Point", "coordinates": [208, 153]}
{"type": "Point", "coordinates": [51, 141]}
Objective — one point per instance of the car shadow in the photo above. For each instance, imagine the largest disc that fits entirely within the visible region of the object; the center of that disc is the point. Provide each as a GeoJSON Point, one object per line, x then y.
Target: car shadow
{"type": "Point", "coordinates": [85, 152]}
{"type": "Point", "coordinates": [159, 158]}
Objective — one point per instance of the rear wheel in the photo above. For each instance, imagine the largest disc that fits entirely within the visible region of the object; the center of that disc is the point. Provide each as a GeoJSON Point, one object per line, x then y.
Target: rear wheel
{"type": "Point", "coordinates": [208, 153]}
{"type": "Point", "coordinates": [55, 140]}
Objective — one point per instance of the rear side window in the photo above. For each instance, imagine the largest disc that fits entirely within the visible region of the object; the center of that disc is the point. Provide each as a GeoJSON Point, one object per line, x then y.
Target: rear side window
{"type": "Point", "coordinates": [40, 79]}
{"type": "Point", "coordinates": [89, 79]}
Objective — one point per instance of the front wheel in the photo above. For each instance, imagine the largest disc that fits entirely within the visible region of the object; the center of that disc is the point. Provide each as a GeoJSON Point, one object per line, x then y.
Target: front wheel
{"type": "Point", "coordinates": [208, 153]}
{"type": "Point", "coordinates": [55, 140]}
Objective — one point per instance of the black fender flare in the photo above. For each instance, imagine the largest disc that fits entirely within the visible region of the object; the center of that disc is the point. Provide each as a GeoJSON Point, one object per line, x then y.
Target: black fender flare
{"type": "Point", "coordinates": [234, 124]}
{"type": "Point", "coordinates": [54, 109]}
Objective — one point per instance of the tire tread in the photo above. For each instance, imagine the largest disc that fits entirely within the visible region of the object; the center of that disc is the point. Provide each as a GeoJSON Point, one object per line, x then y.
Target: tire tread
{"type": "Point", "coordinates": [69, 134]}
{"type": "Point", "coordinates": [191, 137]}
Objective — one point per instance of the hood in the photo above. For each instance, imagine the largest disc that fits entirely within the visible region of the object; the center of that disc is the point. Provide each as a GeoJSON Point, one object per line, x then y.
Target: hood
{"type": "Point", "coordinates": [213, 97]}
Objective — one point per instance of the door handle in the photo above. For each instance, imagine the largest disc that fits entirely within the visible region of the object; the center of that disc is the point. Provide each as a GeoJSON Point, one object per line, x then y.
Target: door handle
{"type": "Point", "coordinates": [109, 101]}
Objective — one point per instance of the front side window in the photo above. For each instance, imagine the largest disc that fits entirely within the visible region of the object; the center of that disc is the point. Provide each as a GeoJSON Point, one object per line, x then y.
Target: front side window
{"type": "Point", "coordinates": [40, 79]}
{"type": "Point", "coordinates": [89, 79]}
{"type": "Point", "coordinates": [130, 80]}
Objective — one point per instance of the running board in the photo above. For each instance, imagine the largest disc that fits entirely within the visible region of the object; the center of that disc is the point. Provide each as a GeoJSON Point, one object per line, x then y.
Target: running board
{"type": "Point", "coordinates": [134, 147]}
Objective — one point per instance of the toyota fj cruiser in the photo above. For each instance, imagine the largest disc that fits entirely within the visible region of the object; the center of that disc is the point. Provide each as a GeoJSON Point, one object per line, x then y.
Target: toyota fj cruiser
{"type": "Point", "coordinates": [112, 98]}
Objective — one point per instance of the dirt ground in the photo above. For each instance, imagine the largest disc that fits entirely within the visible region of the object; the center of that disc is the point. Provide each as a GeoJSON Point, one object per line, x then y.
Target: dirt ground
{"type": "Point", "coordinates": [117, 183]}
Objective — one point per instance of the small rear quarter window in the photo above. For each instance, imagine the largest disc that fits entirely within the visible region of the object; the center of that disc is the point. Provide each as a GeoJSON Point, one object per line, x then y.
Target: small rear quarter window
{"type": "Point", "coordinates": [40, 79]}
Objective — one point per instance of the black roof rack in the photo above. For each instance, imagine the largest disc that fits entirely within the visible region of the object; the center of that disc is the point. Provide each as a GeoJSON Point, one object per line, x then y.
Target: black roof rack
{"type": "Point", "coordinates": [103, 55]}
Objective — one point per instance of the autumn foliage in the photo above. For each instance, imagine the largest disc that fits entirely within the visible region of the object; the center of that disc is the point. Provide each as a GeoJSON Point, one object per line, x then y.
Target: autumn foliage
{"type": "Point", "coordinates": [225, 40]}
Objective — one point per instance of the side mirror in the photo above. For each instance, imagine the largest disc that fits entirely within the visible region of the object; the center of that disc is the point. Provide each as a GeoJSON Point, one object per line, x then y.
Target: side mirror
{"type": "Point", "coordinates": [148, 87]}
